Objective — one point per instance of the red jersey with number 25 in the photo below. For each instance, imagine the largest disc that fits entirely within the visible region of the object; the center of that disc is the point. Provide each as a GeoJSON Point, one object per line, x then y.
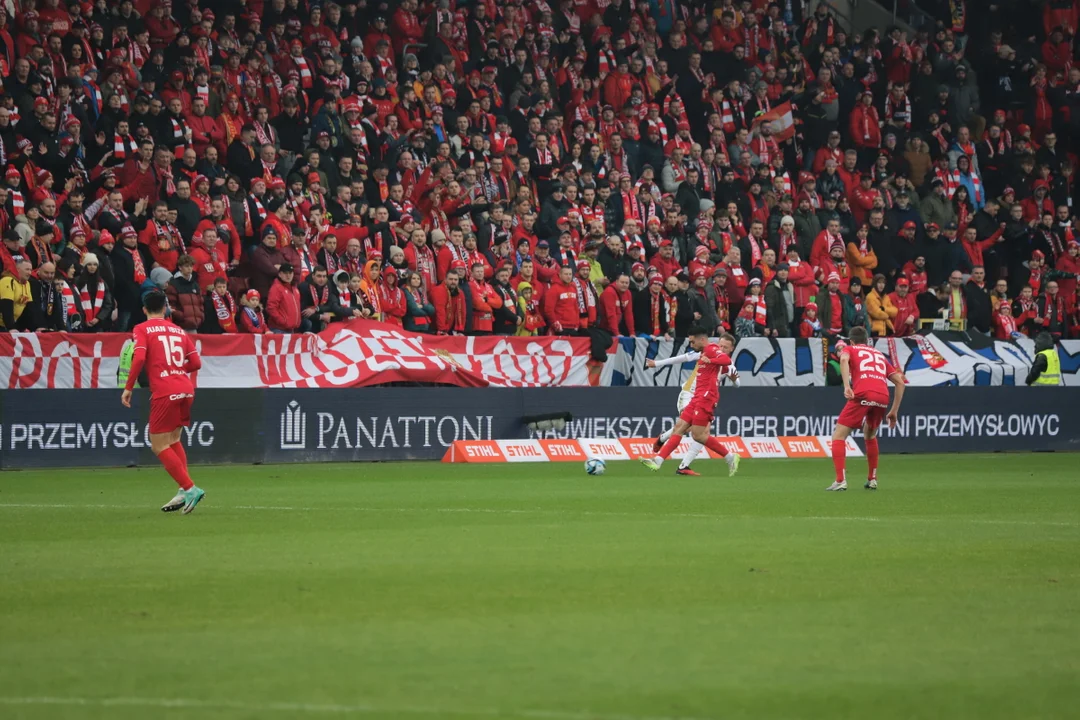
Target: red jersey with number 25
{"type": "Point", "coordinates": [166, 350]}
{"type": "Point", "coordinates": [869, 371]}
{"type": "Point", "coordinates": [713, 363]}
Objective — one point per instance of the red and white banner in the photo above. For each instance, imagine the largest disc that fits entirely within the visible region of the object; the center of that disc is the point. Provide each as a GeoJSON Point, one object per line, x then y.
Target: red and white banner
{"type": "Point", "coordinates": [352, 354]}
{"type": "Point", "coordinates": [781, 121]}
{"type": "Point", "coordinates": [501, 451]}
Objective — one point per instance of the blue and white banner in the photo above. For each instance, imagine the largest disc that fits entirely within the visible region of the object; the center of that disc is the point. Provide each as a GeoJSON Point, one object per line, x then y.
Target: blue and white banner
{"type": "Point", "coordinates": [936, 359]}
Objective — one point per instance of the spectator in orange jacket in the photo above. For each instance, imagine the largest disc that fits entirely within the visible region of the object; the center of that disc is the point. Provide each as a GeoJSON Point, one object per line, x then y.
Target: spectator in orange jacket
{"type": "Point", "coordinates": [860, 255]}
{"type": "Point", "coordinates": [616, 313]}
{"type": "Point", "coordinates": [283, 304]}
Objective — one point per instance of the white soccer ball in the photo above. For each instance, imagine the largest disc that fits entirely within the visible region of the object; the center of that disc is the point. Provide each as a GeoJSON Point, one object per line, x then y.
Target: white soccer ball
{"type": "Point", "coordinates": [595, 466]}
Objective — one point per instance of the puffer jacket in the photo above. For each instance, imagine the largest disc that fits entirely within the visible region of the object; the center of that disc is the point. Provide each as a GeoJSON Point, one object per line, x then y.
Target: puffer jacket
{"type": "Point", "coordinates": [881, 312]}
{"type": "Point", "coordinates": [186, 301]}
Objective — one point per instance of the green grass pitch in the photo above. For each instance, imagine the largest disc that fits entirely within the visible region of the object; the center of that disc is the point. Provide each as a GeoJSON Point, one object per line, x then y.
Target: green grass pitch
{"type": "Point", "coordinates": [537, 592]}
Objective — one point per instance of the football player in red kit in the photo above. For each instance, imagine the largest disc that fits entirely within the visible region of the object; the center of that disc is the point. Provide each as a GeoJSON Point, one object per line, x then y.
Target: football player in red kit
{"type": "Point", "coordinates": [697, 416]}
{"type": "Point", "coordinates": [864, 370]}
{"type": "Point", "coordinates": [169, 357]}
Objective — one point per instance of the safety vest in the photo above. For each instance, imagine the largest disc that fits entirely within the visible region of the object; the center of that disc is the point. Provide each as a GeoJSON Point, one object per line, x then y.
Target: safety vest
{"type": "Point", "coordinates": [1052, 374]}
{"type": "Point", "coordinates": [127, 354]}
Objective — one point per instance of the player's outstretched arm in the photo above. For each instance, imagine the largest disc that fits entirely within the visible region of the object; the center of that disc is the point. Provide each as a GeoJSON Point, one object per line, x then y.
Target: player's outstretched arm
{"type": "Point", "coordinates": [900, 384]}
{"type": "Point", "coordinates": [673, 360]}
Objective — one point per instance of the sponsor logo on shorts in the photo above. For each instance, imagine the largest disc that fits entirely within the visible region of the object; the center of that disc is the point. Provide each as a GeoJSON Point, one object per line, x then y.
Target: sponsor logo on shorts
{"type": "Point", "coordinates": [871, 403]}
{"type": "Point", "coordinates": [181, 396]}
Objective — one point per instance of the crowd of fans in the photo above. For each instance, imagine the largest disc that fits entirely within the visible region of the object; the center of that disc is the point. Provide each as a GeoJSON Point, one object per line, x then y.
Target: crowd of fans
{"type": "Point", "coordinates": [539, 168]}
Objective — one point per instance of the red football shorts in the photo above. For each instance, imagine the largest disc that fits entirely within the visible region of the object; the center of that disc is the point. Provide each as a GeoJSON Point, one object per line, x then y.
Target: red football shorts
{"type": "Point", "coordinates": [170, 412]}
{"type": "Point", "coordinates": [870, 409]}
{"type": "Point", "coordinates": [699, 413]}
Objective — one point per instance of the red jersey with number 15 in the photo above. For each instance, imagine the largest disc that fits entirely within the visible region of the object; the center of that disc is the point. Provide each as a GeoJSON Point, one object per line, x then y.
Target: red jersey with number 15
{"type": "Point", "coordinates": [168, 354]}
{"type": "Point", "coordinates": [713, 363]}
{"type": "Point", "coordinates": [869, 371]}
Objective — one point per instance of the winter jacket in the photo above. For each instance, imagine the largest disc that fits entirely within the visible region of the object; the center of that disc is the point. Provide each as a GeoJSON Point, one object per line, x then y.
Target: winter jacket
{"type": "Point", "coordinates": [801, 278]}
{"type": "Point", "coordinates": [186, 301]}
{"type": "Point", "coordinates": [419, 314]}
{"type": "Point", "coordinates": [862, 265]}
{"type": "Point", "coordinates": [881, 311]}
{"type": "Point", "coordinates": [906, 307]}
{"type": "Point", "coordinates": [777, 295]}
{"type": "Point", "coordinates": [283, 307]}
{"type": "Point", "coordinates": [616, 312]}
{"type": "Point", "coordinates": [561, 307]}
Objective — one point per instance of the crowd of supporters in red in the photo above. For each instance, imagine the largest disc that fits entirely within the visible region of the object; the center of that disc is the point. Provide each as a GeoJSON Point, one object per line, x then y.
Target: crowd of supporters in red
{"type": "Point", "coordinates": [498, 166]}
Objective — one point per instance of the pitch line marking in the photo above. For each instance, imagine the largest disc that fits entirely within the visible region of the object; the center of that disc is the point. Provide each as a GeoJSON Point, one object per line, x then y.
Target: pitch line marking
{"type": "Point", "coordinates": [544, 511]}
{"type": "Point", "coordinates": [324, 709]}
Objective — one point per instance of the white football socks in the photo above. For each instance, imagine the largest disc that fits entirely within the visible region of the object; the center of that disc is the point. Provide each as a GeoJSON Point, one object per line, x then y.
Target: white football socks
{"type": "Point", "coordinates": [691, 454]}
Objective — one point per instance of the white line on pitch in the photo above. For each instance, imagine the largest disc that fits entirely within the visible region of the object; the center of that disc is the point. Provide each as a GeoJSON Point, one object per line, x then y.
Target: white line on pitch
{"type": "Point", "coordinates": [323, 709]}
{"type": "Point", "coordinates": [585, 513]}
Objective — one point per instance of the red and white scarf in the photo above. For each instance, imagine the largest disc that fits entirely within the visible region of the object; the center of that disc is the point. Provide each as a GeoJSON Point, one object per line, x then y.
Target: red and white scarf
{"type": "Point", "coordinates": [140, 268]}
{"type": "Point", "coordinates": [755, 250]}
{"type": "Point", "coordinates": [225, 309]}
{"type": "Point", "coordinates": [122, 144]}
{"type": "Point", "coordinates": [91, 309]}
{"type": "Point", "coordinates": [302, 67]}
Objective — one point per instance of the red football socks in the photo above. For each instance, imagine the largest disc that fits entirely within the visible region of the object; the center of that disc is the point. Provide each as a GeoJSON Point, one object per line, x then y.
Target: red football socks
{"type": "Point", "coordinates": [872, 457]}
{"type": "Point", "coordinates": [178, 448]}
{"type": "Point", "coordinates": [716, 446]}
{"type": "Point", "coordinates": [839, 455]}
{"type": "Point", "coordinates": [175, 467]}
{"type": "Point", "coordinates": [669, 446]}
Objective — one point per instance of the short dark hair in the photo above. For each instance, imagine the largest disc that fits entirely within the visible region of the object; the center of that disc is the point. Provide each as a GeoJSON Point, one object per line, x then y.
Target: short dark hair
{"type": "Point", "coordinates": [154, 301]}
{"type": "Point", "coordinates": [696, 330]}
{"type": "Point", "coordinates": [857, 335]}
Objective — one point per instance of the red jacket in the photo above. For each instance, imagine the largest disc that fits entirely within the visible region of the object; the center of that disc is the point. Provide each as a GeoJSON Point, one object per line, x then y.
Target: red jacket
{"type": "Point", "coordinates": [247, 325]}
{"type": "Point", "coordinates": [666, 268]}
{"type": "Point", "coordinates": [561, 306]}
{"type": "Point", "coordinates": [283, 307]}
{"type": "Point", "coordinates": [905, 307]}
{"type": "Point", "coordinates": [616, 311]}
{"type": "Point", "coordinates": [209, 264]}
{"type": "Point", "coordinates": [224, 226]}
{"type": "Point", "coordinates": [975, 249]}
{"type": "Point", "coordinates": [449, 310]}
{"type": "Point", "coordinates": [485, 302]}
{"type": "Point", "coordinates": [1067, 286]}
{"type": "Point", "coordinates": [865, 131]}
{"type": "Point", "coordinates": [801, 277]}
{"type": "Point", "coordinates": [205, 132]}
{"type": "Point", "coordinates": [392, 300]}
{"type": "Point", "coordinates": [917, 279]}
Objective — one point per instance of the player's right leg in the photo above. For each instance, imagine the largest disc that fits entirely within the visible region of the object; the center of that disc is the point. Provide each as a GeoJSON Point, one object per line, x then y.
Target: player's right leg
{"type": "Point", "coordinates": [167, 418]}
{"type": "Point", "coordinates": [839, 457]}
{"type": "Point", "coordinates": [870, 431]}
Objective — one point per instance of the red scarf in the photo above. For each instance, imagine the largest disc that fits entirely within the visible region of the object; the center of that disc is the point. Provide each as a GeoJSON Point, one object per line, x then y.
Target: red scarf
{"type": "Point", "coordinates": [140, 269]}
{"type": "Point", "coordinates": [90, 310]}
{"type": "Point", "coordinates": [225, 309]}
{"type": "Point", "coordinates": [759, 309]}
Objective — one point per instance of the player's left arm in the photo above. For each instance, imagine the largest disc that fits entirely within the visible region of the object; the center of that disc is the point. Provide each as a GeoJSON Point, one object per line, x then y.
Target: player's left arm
{"type": "Point", "coordinates": [900, 383]}
{"type": "Point", "coordinates": [138, 359]}
{"type": "Point", "coordinates": [845, 373]}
